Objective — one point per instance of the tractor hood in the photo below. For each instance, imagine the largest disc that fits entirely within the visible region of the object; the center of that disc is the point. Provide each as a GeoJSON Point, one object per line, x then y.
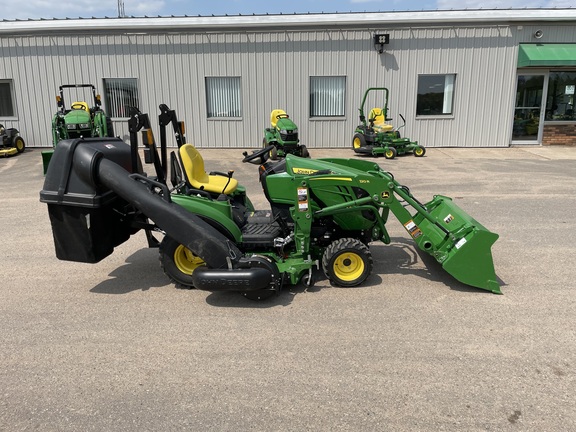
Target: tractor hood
{"type": "Point", "coordinates": [77, 116]}
{"type": "Point", "coordinates": [285, 124]}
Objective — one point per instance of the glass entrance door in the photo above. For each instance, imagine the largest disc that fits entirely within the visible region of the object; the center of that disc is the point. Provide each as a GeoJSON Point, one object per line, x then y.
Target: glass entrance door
{"type": "Point", "coordinates": [528, 111]}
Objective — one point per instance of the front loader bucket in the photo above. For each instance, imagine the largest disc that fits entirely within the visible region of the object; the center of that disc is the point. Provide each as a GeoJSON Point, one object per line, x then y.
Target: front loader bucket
{"type": "Point", "coordinates": [457, 241]}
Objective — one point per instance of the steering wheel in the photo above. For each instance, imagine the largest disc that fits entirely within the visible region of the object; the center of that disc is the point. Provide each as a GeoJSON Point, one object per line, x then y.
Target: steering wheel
{"type": "Point", "coordinates": [77, 106]}
{"type": "Point", "coordinates": [263, 154]}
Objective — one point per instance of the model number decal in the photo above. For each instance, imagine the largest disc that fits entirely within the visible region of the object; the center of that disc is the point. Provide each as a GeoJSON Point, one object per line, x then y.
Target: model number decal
{"type": "Point", "coordinates": [412, 229]}
{"type": "Point", "coordinates": [302, 199]}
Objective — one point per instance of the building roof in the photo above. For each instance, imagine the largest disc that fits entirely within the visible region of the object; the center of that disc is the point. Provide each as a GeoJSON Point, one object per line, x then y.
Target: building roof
{"type": "Point", "coordinates": [229, 22]}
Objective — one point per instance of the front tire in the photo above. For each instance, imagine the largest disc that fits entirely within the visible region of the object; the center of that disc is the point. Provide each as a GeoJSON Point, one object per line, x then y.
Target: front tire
{"type": "Point", "coordinates": [347, 262]}
{"type": "Point", "coordinates": [178, 262]}
{"type": "Point", "coordinates": [274, 154]}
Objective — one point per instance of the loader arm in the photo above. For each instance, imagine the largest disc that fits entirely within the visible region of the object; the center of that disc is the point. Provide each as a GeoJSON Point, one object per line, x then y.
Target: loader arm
{"type": "Point", "coordinates": [440, 227]}
{"type": "Point", "coordinates": [455, 239]}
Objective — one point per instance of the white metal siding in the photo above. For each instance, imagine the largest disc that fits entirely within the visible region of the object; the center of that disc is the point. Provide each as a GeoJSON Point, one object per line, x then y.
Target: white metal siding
{"type": "Point", "coordinates": [275, 68]}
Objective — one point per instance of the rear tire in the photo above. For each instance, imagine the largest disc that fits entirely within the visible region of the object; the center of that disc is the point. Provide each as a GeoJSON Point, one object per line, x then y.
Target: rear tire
{"type": "Point", "coordinates": [358, 141]}
{"type": "Point", "coordinates": [178, 262]}
{"type": "Point", "coordinates": [347, 262]}
{"type": "Point", "coordinates": [304, 152]}
{"type": "Point", "coordinates": [19, 144]}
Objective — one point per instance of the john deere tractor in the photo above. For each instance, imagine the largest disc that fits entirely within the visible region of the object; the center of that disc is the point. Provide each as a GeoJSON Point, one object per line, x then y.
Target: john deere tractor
{"type": "Point", "coordinates": [321, 216]}
{"type": "Point", "coordinates": [79, 120]}
{"type": "Point", "coordinates": [376, 137]}
{"type": "Point", "coordinates": [283, 135]}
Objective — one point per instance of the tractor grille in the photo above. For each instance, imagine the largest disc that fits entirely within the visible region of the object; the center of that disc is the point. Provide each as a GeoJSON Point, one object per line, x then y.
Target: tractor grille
{"type": "Point", "coordinates": [79, 133]}
{"type": "Point", "coordinates": [289, 136]}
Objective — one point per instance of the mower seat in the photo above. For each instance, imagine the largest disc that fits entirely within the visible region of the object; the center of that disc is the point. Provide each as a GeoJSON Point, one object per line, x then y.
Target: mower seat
{"type": "Point", "coordinates": [80, 105]}
{"type": "Point", "coordinates": [379, 125]}
{"type": "Point", "coordinates": [198, 178]}
{"type": "Point", "coordinates": [275, 115]}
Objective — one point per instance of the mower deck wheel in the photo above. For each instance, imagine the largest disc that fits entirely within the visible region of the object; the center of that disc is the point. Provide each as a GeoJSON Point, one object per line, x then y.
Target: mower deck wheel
{"type": "Point", "coordinates": [390, 153]}
{"type": "Point", "coordinates": [419, 151]}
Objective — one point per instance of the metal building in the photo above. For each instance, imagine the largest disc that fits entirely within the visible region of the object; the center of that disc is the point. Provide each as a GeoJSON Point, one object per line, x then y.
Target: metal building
{"type": "Point", "coordinates": [483, 78]}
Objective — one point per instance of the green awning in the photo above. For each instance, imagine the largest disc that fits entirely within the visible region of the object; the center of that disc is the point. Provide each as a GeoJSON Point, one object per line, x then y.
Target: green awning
{"type": "Point", "coordinates": [546, 55]}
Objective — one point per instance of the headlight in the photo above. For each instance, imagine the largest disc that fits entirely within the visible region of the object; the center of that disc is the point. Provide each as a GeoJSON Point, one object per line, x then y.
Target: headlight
{"type": "Point", "coordinates": [70, 126]}
{"type": "Point", "coordinates": [84, 125]}
{"type": "Point", "coordinates": [284, 131]}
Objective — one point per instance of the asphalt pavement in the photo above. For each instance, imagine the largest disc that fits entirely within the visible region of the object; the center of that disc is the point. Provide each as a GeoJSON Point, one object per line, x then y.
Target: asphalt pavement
{"type": "Point", "coordinates": [114, 346]}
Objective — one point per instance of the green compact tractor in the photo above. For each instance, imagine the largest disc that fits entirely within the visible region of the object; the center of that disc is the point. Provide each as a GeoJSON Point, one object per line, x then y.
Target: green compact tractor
{"type": "Point", "coordinates": [283, 136]}
{"type": "Point", "coordinates": [322, 215]}
{"type": "Point", "coordinates": [375, 137]}
{"type": "Point", "coordinates": [78, 120]}
{"type": "Point", "coordinates": [11, 142]}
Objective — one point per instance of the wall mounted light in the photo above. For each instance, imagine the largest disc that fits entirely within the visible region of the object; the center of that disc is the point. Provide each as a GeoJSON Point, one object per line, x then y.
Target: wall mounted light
{"type": "Point", "coordinates": [538, 34]}
{"type": "Point", "coordinates": [380, 40]}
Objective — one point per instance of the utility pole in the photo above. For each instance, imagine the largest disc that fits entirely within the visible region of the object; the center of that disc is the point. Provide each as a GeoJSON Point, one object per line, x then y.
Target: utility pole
{"type": "Point", "coordinates": [121, 9]}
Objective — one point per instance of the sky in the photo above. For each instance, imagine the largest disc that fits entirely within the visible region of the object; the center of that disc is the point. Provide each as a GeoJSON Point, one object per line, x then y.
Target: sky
{"type": "Point", "coordinates": [11, 9]}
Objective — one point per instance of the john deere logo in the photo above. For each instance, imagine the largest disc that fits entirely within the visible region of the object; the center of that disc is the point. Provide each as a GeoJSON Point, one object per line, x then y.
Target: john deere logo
{"type": "Point", "coordinates": [385, 195]}
{"type": "Point", "coordinates": [304, 171]}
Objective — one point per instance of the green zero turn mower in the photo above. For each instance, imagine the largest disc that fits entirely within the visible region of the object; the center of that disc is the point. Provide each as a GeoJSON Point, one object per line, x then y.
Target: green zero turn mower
{"type": "Point", "coordinates": [78, 120]}
{"type": "Point", "coordinates": [11, 142]}
{"type": "Point", "coordinates": [323, 215]}
{"type": "Point", "coordinates": [375, 137]}
{"type": "Point", "coordinates": [283, 136]}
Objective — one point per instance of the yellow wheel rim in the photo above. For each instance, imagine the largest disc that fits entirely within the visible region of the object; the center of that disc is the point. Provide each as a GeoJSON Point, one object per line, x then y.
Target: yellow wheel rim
{"type": "Point", "coordinates": [418, 151]}
{"type": "Point", "coordinates": [389, 153]}
{"type": "Point", "coordinates": [356, 143]}
{"type": "Point", "coordinates": [186, 261]}
{"type": "Point", "coordinates": [19, 145]}
{"type": "Point", "coordinates": [348, 266]}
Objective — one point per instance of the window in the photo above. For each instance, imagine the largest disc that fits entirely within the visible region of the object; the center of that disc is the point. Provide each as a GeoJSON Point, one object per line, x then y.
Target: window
{"type": "Point", "coordinates": [223, 97]}
{"type": "Point", "coordinates": [6, 103]}
{"type": "Point", "coordinates": [327, 96]}
{"type": "Point", "coordinates": [560, 100]}
{"type": "Point", "coordinates": [435, 95]}
{"type": "Point", "coordinates": [120, 94]}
